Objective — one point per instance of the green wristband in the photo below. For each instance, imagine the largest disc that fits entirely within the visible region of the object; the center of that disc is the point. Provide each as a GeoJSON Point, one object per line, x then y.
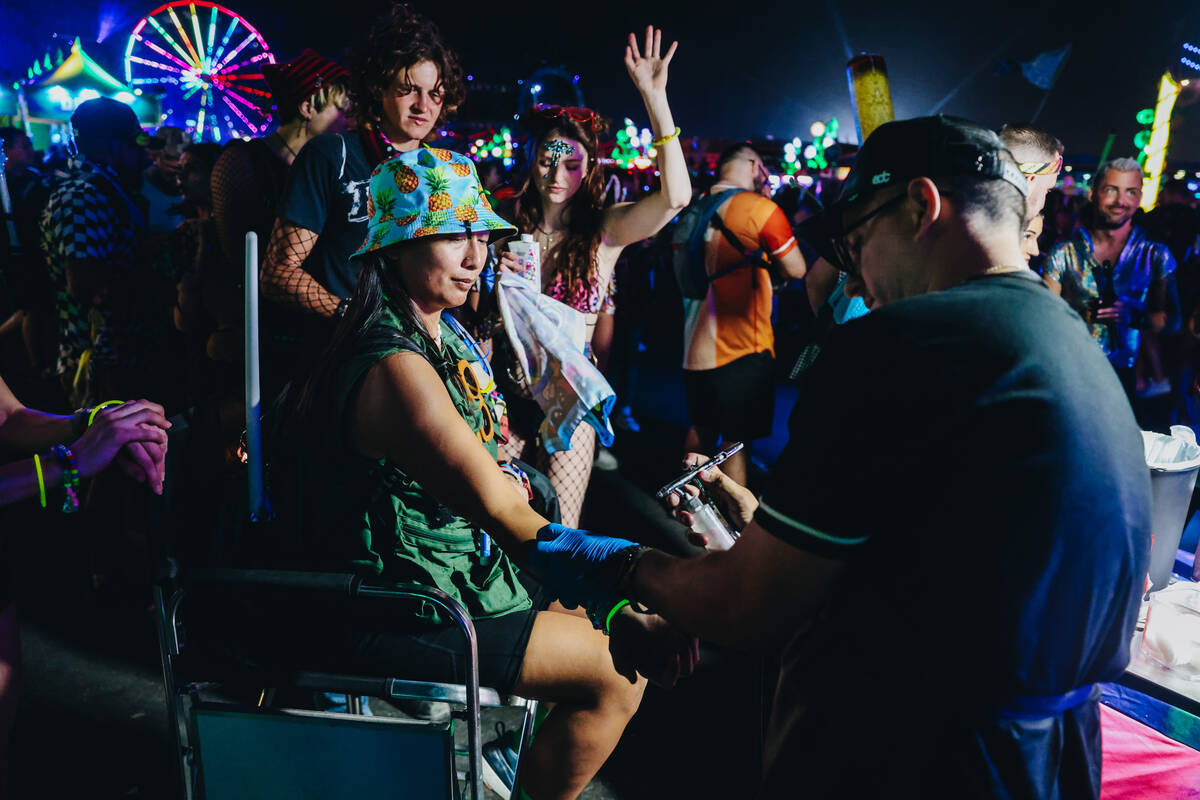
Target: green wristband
{"type": "Point", "coordinates": [608, 620]}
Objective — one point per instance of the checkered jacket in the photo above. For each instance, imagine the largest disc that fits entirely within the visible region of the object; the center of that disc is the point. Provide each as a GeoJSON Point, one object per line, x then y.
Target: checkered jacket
{"type": "Point", "coordinates": [90, 217]}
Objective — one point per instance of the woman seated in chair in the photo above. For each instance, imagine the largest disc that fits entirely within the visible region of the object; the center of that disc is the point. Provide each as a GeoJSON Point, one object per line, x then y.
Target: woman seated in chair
{"type": "Point", "coordinates": [394, 438]}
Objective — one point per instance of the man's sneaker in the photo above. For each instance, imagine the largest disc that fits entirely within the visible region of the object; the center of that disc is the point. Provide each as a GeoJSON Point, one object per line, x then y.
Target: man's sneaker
{"type": "Point", "coordinates": [605, 460]}
{"type": "Point", "coordinates": [623, 420]}
{"type": "Point", "coordinates": [500, 762]}
{"type": "Point", "coordinates": [337, 703]}
{"type": "Point", "coordinates": [1155, 389]}
{"type": "Point", "coordinates": [424, 710]}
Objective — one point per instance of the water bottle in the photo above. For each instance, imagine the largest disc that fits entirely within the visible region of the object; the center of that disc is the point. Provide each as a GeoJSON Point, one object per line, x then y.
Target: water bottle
{"type": "Point", "coordinates": [529, 254]}
{"type": "Point", "coordinates": [706, 521]}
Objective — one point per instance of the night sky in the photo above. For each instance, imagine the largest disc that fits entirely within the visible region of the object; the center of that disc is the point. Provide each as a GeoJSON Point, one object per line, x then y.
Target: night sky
{"type": "Point", "coordinates": [749, 70]}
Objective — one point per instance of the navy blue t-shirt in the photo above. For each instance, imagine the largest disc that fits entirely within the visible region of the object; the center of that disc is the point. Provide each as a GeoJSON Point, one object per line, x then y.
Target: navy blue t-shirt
{"type": "Point", "coordinates": [326, 192]}
{"type": "Point", "coordinates": [971, 457]}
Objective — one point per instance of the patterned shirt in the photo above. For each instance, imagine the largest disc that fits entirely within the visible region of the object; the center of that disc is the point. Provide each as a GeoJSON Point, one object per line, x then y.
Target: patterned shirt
{"type": "Point", "coordinates": [1142, 279]}
{"type": "Point", "coordinates": [89, 217]}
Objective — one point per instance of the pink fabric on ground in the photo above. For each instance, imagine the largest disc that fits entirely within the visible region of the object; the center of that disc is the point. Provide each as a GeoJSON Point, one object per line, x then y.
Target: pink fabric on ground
{"type": "Point", "coordinates": [1142, 764]}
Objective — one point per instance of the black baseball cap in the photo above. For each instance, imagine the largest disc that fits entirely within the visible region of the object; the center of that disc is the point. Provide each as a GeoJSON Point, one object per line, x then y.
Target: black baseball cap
{"type": "Point", "coordinates": [105, 118]}
{"type": "Point", "coordinates": [896, 152]}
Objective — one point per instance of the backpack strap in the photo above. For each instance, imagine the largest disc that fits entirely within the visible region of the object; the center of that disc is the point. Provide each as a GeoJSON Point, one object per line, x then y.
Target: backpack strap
{"type": "Point", "coordinates": [749, 257]}
{"type": "Point", "coordinates": [706, 212]}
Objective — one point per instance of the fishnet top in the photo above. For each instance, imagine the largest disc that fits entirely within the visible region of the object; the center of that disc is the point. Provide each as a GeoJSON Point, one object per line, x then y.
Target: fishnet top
{"type": "Point", "coordinates": [284, 279]}
{"type": "Point", "coordinates": [247, 183]}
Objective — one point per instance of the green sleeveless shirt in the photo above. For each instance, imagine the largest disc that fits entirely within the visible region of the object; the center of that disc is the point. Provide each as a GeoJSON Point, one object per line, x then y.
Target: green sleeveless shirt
{"type": "Point", "coordinates": [367, 516]}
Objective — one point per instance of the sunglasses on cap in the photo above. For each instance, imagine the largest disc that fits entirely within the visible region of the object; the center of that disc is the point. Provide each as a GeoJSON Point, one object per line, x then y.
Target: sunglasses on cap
{"type": "Point", "coordinates": [1041, 167]}
{"type": "Point", "coordinates": [574, 112]}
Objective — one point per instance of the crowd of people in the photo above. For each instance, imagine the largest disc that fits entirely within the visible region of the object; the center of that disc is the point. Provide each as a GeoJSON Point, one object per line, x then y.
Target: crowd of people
{"type": "Point", "coordinates": [947, 297]}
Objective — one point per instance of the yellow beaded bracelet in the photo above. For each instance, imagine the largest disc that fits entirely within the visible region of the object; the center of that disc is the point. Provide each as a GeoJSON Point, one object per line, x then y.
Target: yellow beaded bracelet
{"type": "Point", "coordinates": [672, 135]}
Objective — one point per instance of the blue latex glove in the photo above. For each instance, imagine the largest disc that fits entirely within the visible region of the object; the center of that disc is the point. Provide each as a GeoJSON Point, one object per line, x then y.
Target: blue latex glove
{"type": "Point", "coordinates": [571, 562]}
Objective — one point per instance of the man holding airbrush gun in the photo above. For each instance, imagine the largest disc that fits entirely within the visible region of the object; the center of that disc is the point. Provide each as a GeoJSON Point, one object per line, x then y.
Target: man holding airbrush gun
{"type": "Point", "coordinates": [950, 551]}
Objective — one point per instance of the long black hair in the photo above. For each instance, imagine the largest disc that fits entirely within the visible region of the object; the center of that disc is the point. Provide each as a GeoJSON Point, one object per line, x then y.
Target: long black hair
{"type": "Point", "coordinates": [307, 403]}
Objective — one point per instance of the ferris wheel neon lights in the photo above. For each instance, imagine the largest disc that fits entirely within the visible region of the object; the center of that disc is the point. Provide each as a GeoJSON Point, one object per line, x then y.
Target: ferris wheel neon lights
{"type": "Point", "coordinates": [206, 61]}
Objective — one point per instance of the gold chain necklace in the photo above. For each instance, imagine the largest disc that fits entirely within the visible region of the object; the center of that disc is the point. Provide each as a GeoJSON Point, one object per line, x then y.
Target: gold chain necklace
{"type": "Point", "coordinates": [999, 268]}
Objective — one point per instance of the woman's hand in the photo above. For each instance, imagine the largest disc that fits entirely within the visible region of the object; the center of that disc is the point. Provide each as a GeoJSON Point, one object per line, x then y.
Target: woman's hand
{"type": "Point", "coordinates": [648, 644]}
{"type": "Point", "coordinates": [510, 263]}
{"type": "Point", "coordinates": [145, 462]}
{"type": "Point", "coordinates": [649, 72]}
{"type": "Point", "coordinates": [132, 434]}
{"type": "Point", "coordinates": [735, 502]}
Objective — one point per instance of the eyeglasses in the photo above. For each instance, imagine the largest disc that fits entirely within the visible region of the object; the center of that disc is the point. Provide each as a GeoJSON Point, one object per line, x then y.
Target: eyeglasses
{"type": "Point", "coordinates": [1040, 167]}
{"type": "Point", "coordinates": [469, 383]}
{"type": "Point", "coordinates": [848, 256]}
{"type": "Point", "coordinates": [576, 113]}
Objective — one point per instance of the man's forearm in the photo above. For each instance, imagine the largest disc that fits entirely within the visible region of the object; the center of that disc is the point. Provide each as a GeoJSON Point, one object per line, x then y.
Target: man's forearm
{"type": "Point", "coordinates": [697, 595]}
{"type": "Point", "coordinates": [29, 431]}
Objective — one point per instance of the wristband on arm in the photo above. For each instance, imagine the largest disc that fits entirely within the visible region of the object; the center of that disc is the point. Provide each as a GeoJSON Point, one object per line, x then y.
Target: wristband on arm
{"type": "Point", "coordinates": [37, 467]}
{"type": "Point", "coordinates": [84, 417]}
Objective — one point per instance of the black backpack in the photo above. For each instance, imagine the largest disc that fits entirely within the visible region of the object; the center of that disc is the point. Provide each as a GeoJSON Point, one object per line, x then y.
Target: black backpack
{"type": "Point", "coordinates": [687, 245]}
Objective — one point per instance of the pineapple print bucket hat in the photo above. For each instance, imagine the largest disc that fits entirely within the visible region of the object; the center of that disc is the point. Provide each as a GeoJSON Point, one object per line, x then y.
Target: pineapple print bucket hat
{"type": "Point", "coordinates": [426, 192]}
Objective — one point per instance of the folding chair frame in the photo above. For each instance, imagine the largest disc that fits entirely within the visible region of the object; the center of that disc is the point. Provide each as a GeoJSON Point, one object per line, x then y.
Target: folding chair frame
{"type": "Point", "coordinates": [337, 586]}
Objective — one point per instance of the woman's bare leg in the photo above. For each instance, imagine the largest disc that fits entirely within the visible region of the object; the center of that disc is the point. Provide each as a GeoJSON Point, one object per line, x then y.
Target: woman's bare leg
{"type": "Point", "coordinates": [567, 663]}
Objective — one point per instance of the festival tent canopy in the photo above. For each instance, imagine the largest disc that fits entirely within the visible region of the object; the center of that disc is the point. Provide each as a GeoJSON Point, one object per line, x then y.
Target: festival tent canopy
{"type": "Point", "coordinates": [53, 89]}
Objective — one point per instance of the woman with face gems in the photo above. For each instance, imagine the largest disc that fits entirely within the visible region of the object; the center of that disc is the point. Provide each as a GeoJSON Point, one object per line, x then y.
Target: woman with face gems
{"type": "Point", "coordinates": [561, 205]}
{"type": "Point", "coordinates": [403, 81]}
{"type": "Point", "coordinates": [391, 451]}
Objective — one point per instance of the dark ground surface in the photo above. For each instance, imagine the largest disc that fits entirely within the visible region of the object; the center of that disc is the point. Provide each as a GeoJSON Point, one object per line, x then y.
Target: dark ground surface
{"type": "Point", "coordinates": [92, 718]}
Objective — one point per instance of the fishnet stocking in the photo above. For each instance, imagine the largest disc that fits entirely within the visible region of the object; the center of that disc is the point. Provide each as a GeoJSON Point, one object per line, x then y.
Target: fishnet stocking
{"type": "Point", "coordinates": [569, 471]}
{"type": "Point", "coordinates": [515, 448]}
{"type": "Point", "coordinates": [284, 280]}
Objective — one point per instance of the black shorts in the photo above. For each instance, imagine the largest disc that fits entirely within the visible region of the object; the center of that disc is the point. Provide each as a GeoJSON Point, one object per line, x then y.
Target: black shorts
{"type": "Point", "coordinates": [737, 400]}
{"type": "Point", "coordinates": [438, 652]}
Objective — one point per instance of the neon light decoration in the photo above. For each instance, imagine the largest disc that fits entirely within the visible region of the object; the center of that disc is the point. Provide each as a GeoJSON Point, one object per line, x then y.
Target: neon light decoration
{"type": "Point", "coordinates": [1191, 61]}
{"type": "Point", "coordinates": [824, 136]}
{"type": "Point", "coordinates": [498, 146]}
{"type": "Point", "coordinates": [207, 62]}
{"type": "Point", "coordinates": [633, 148]}
{"type": "Point", "coordinates": [1156, 148]}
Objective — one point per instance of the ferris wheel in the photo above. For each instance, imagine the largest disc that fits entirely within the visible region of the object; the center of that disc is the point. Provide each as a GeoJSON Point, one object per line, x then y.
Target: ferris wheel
{"type": "Point", "coordinates": [206, 61]}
